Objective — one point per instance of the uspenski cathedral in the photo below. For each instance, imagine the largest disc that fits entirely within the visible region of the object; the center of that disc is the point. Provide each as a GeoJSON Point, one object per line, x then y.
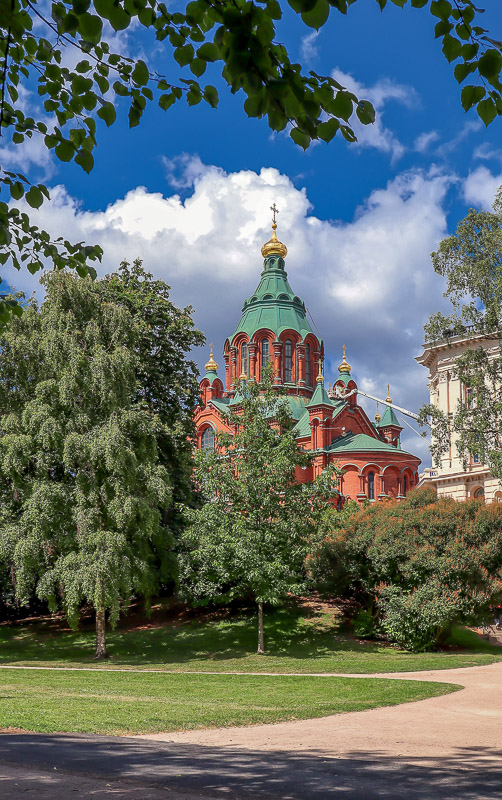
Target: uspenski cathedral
{"type": "Point", "coordinates": [274, 328]}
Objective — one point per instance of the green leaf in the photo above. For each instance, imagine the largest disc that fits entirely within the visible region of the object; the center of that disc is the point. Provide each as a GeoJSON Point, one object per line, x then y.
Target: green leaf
{"type": "Point", "coordinates": [365, 112]}
{"type": "Point", "coordinates": [208, 51]}
{"type": "Point", "coordinates": [490, 64]}
{"type": "Point", "coordinates": [90, 27]}
{"type": "Point", "coordinates": [300, 138]}
{"type": "Point", "coordinates": [255, 104]}
{"type": "Point", "coordinates": [441, 9]}
{"type": "Point", "coordinates": [34, 197]}
{"type": "Point", "coordinates": [184, 55]}
{"type": "Point", "coordinates": [471, 95]}
{"type": "Point", "coordinates": [65, 150]}
{"type": "Point", "coordinates": [461, 71]}
{"type": "Point", "coordinates": [140, 73]}
{"type": "Point", "coordinates": [348, 134]}
{"type": "Point", "coordinates": [85, 160]}
{"type": "Point", "coordinates": [341, 106]}
{"type": "Point", "coordinates": [198, 67]}
{"type": "Point", "coordinates": [327, 130]}
{"type": "Point", "coordinates": [166, 101]}
{"type": "Point", "coordinates": [120, 89]}
{"type": "Point", "coordinates": [211, 96]}
{"type": "Point", "coordinates": [107, 113]}
{"type": "Point", "coordinates": [452, 48]}
{"type": "Point", "coordinates": [318, 15]}
{"type": "Point", "coordinates": [16, 190]}
{"type": "Point", "coordinates": [487, 110]}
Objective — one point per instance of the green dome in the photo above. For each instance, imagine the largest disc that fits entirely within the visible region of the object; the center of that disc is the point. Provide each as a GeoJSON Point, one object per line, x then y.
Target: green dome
{"type": "Point", "coordinates": [274, 305]}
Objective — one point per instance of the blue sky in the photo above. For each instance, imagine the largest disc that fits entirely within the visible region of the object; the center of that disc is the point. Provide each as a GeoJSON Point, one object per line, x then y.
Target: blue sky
{"type": "Point", "coordinates": [189, 191]}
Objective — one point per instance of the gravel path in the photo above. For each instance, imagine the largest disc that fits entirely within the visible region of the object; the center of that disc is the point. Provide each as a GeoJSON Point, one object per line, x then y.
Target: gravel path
{"type": "Point", "coordinates": [465, 722]}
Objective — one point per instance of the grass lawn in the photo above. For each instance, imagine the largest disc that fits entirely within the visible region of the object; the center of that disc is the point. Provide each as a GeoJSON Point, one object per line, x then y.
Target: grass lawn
{"type": "Point", "coordinates": [297, 641]}
{"type": "Point", "coordinates": [117, 703]}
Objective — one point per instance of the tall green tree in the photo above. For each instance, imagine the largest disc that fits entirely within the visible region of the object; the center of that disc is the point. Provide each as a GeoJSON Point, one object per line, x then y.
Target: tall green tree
{"type": "Point", "coordinates": [471, 262]}
{"type": "Point", "coordinates": [252, 534]}
{"type": "Point", "coordinates": [82, 481]}
{"type": "Point", "coordinates": [62, 47]}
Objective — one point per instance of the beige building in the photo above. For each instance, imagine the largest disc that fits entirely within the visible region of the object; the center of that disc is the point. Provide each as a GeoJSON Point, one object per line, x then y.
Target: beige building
{"type": "Point", "coordinates": [451, 479]}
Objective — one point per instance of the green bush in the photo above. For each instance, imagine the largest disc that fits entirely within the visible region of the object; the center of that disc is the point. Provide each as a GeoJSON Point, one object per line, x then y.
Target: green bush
{"type": "Point", "coordinates": [364, 624]}
{"type": "Point", "coordinates": [416, 566]}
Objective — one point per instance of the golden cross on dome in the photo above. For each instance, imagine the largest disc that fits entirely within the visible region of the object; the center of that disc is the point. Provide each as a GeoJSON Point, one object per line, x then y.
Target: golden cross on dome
{"type": "Point", "coordinates": [343, 348]}
{"type": "Point", "coordinates": [274, 211]}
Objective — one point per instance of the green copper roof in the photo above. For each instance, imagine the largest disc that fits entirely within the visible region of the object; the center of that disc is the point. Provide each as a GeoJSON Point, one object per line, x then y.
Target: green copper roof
{"type": "Point", "coordinates": [302, 427]}
{"type": "Point", "coordinates": [221, 403]}
{"type": "Point", "coordinates": [211, 376]}
{"type": "Point", "coordinates": [389, 418]}
{"type": "Point", "coordinates": [274, 305]}
{"type": "Point", "coordinates": [361, 442]}
{"type": "Point", "coordinates": [320, 396]}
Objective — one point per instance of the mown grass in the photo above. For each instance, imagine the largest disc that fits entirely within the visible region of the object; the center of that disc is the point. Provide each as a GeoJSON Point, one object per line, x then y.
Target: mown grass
{"type": "Point", "coordinates": [117, 703]}
{"type": "Point", "coordinates": [211, 643]}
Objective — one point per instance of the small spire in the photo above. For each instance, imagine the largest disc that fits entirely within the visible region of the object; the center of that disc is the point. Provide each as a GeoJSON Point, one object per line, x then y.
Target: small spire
{"type": "Point", "coordinates": [211, 365]}
{"type": "Point", "coordinates": [377, 415]}
{"type": "Point", "coordinates": [320, 376]}
{"type": "Point", "coordinates": [344, 366]}
{"type": "Point", "coordinates": [388, 398]}
{"type": "Point", "coordinates": [274, 246]}
{"type": "Point", "coordinates": [243, 376]}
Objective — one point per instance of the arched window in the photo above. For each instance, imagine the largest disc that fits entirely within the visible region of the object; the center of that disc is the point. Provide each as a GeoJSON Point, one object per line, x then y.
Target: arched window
{"type": "Point", "coordinates": [288, 361]}
{"type": "Point", "coordinates": [479, 493]}
{"type": "Point", "coordinates": [371, 485]}
{"type": "Point", "coordinates": [405, 485]}
{"type": "Point", "coordinates": [207, 439]}
{"type": "Point", "coordinates": [244, 358]}
{"type": "Point", "coordinates": [264, 355]}
{"type": "Point", "coordinates": [308, 367]}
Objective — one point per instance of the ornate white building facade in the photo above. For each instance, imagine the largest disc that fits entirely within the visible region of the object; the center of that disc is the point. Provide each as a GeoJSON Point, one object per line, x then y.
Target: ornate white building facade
{"type": "Point", "coordinates": [451, 478]}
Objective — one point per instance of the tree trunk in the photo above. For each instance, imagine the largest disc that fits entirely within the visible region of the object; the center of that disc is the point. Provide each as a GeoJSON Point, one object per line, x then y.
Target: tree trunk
{"type": "Point", "coordinates": [261, 640]}
{"type": "Point", "coordinates": [100, 634]}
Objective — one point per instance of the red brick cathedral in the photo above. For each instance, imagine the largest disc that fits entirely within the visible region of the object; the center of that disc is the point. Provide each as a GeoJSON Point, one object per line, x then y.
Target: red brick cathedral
{"type": "Point", "coordinates": [274, 327]}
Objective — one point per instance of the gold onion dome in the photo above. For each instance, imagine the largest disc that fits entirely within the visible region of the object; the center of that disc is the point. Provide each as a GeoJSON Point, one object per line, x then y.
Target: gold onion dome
{"type": "Point", "coordinates": [211, 365]}
{"type": "Point", "coordinates": [377, 415]}
{"type": "Point", "coordinates": [344, 366]}
{"type": "Point", "coordinates": [388, 398]}
{"type": "Point", "coordinates": [274, 246]}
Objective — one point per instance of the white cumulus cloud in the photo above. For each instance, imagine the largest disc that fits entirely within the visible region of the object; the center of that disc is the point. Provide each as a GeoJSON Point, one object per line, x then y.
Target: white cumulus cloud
{"type": "Point", "coordinates": [368, 283]}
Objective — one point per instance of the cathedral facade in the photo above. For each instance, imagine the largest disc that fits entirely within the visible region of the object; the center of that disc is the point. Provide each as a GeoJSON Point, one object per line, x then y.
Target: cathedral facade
{"type": "Point", "coordinates": [274, 328]}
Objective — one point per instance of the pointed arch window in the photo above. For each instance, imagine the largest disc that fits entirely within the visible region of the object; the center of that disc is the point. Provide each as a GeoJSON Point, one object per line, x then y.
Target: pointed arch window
{"type": "Point", "coordinates": [288, 361]}
{"type": "Point", "coordinates": [207, 439]}
{"type": "Point", "coordinates": [371, 485]}
{"type": "Point", "coordinates": [308, 367]}
{"type": "Point", "coordinates": [264, 355]}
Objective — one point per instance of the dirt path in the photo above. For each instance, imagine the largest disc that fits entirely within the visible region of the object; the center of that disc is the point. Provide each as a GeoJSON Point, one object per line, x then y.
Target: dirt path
{"type": "Point", "coordinates": [461, 725]}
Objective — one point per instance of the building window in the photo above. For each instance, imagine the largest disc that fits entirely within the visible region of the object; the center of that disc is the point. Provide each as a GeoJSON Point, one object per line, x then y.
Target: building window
{"type": "Point", "coordinates": [288, 361]}
{"type": "Point", "coordinates": [371, 485]}
{"type": "Point", "coordinates": [479, 493]}
{"type": "Point", "coordinates": [244, 358]}
{"type": "Point", "coordinates": [405, 485]}
{"type": "Point", "coordinates": [207, 439]}
{"type": "Point", "coordinates": [469, 398]}
{"type": "Point", "coordinates": [264, 355]}
{"type": "Point", "coordinates": [308, 367]}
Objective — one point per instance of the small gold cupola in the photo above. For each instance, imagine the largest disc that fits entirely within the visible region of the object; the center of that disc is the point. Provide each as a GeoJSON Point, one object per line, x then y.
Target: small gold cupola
{"type": "Point", "coordinates": [388, 398]}
{"type": "Point", "coordinates": [274, 246]}
{"type": "Point", "coordinates": [377, 415]}
{"type": "Point", "coordinates": [211, 365]}
{"type": "Point", "coordinates": [344, 366]}
{"type": "Point", "coordinates": [320, 376]}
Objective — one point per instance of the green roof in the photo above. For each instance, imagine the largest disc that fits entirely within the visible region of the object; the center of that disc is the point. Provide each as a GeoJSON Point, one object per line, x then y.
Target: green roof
{"type": "Point", "coordinates": [359, 442]}
{"type": "Point", "coordinates": [221, 403]}
{"type": "Point", "coordinates": [302, 427]}
{"type": "Point", "coordinates": [320, 396]}
{"type": "Point", "coordinates": [389, 418]}
{"type": "Point", "coordinates": [211, 376]}
{"type": "Point", "coordinates": [274, 305]}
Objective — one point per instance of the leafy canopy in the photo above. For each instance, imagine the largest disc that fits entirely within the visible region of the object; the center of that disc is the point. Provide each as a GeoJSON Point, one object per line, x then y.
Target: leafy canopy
{"type": "Point", "coordinates": [471, 262]}
{"type": "Point", "coordinates": [81, 81]}
{"type": "Point", "coordinates": [82, 481]}
{"type": "Point", "coordinates": [251, 534]}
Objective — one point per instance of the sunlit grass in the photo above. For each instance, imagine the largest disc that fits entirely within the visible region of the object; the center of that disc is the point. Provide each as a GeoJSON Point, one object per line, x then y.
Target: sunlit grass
{"type": "Point", "coordinates": [114, 703]}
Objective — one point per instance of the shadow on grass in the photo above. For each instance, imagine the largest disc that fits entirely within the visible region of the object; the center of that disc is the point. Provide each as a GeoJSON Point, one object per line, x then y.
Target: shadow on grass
{"type": "Point", "coordinates": [471, 773]}
{"type": "Point", "coordinates": [216, 640]}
